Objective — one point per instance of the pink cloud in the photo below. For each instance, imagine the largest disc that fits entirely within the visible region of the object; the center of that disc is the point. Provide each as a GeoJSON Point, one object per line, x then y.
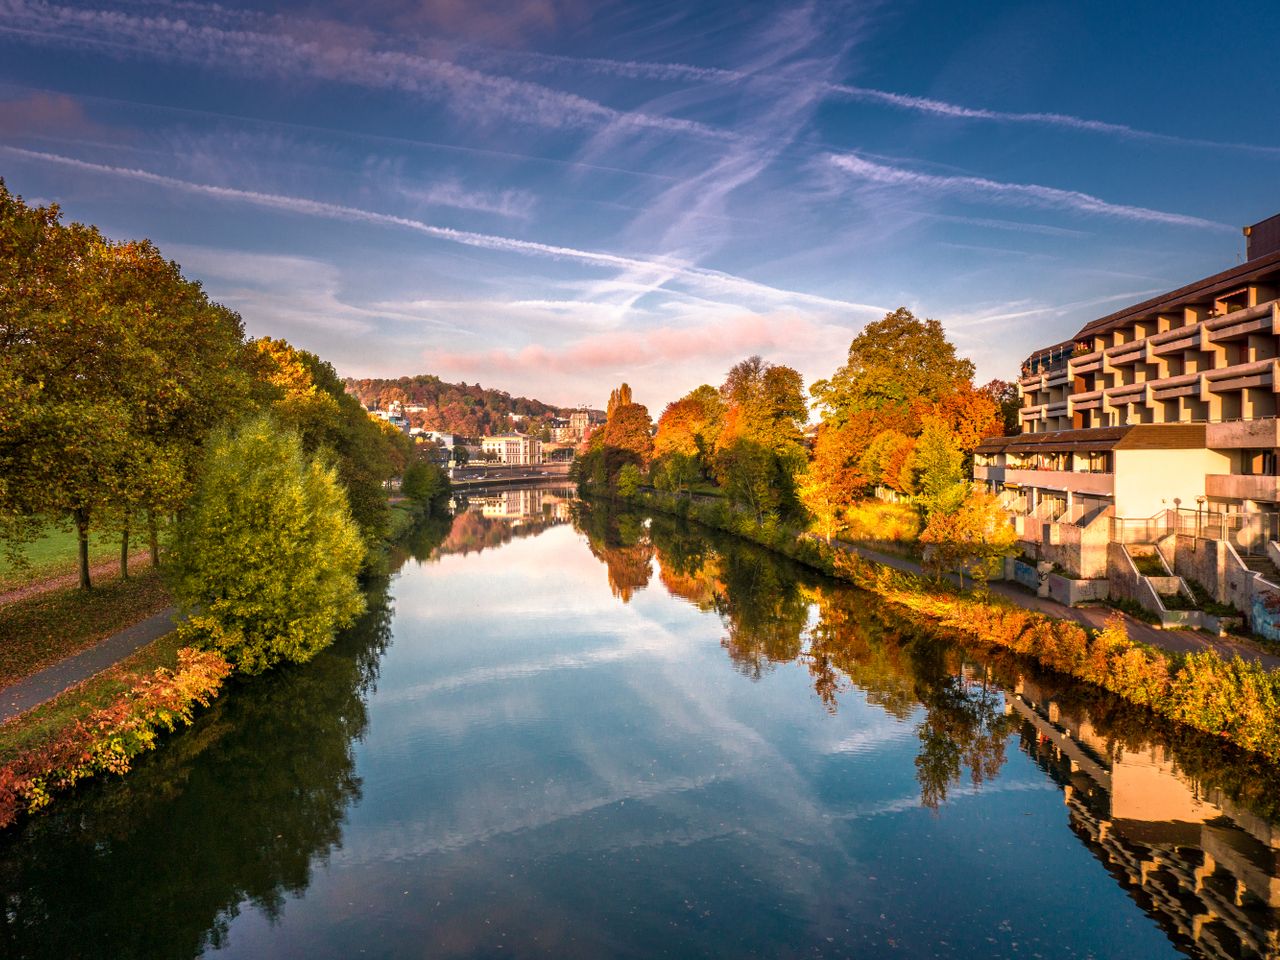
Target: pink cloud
{"type": "Point", "coordinates": [729, 340]}
{"type": "Point", "coordinates": [46, 114]}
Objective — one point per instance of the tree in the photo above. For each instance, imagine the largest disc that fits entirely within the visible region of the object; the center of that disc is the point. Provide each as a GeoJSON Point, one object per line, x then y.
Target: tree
{"type": "Point", "coordinates": [629, 480]}
{"type": "Point", "coordinates": [113, 369]}
{"type": "Point", "coordinates": [307, 396]}
{"type": "Point", "coordinates": [971, 415]}
{"type": "Point", "coordinates": [752, 476]}
{"type": "Point", "coordinates": [676, 472]}
{"type": "Point", "coordinates": [938, 464]}
{"type": "Point", "coordinates": [834, 478]}
{"type": "Point", "coordinates": [893, 363]}
{"type": "Point", "coordinates": [267, 554]}
{"type": "Point", "coordinates": [1005, 396]}
{"type": "Point", "coordinates": [691, 425]}
{"type": "Point", "coordinates": [971, 536]}
{"type": "Point", "coordinates": [887, 461]}
{"type": "Point", "coordinates": [628, 428]}
{"type": "Point", "coordinates": [424, 482]}
{"type": "Point", "coordinates": [764, 421]}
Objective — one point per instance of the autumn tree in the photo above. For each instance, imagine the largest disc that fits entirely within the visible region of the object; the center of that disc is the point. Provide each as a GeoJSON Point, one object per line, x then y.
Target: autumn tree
{"type": "Point", "coordinates": [1005, 396]}
{"type": "Point", "coordinates": [691, 425]}
{"type": "Point", "coordinates": [307, 396]}
{"type": "Point", "coordinates": [627, 438]}
{"type": "Point", "coordinates": [760, 449]}
{"type": "Point", "coordinates": [893, 362]}
{"type": "Point", "coordinates": [888, 459]}
{"type": "Point", "coordinates": [971, 536]}
{"type": "Point", "coordinates": [113, 369]}
{"type": "Point", "coordinates": [834, 478]}
{"type": "Point", "coordinates": [971, 415]}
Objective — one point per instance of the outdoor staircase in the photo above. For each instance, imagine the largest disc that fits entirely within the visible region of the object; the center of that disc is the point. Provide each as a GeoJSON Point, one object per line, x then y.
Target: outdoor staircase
{"type": "Point", "coordinates": [1263, 565]}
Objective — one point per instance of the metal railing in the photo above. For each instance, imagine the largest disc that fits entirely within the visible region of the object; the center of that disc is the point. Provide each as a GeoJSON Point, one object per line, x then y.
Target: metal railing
{"type": "Point", "coordinates": [1249, 533]}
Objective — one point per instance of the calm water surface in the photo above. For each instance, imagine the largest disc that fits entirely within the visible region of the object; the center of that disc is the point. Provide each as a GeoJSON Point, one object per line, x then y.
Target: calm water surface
{"type": "Point", "coordinates": [562, 732]}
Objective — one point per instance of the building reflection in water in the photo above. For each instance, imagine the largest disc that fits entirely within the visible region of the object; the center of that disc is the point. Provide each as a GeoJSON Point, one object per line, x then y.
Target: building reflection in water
{"type": "Point", "coordinates": [1185, 822]}
{"type": "Point", "coordinates": [1206, 867]}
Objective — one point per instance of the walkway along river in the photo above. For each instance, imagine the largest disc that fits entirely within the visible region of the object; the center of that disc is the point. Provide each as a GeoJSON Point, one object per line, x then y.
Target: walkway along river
{"type": "Point", "coordinates": [568, 732]}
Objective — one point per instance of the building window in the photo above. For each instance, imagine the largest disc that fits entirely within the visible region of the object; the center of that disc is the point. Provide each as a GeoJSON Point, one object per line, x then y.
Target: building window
{"type": "Point", "coordinates": [1258, 463]}
{"type": "Point", "coordinates": [1098, 461]}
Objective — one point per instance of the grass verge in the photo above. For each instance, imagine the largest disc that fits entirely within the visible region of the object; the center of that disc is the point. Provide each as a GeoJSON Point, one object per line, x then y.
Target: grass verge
{"type": "Point", "coordinates": [54, 554]}
{"type": "Point", "coordinates": [41, 630]}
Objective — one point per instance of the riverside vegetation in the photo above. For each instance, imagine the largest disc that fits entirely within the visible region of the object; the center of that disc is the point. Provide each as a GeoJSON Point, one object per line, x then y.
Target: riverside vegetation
{"type": "Point", "coordinates": [901, 418]}
{"type": "Point", "coordinates": [130, 402]}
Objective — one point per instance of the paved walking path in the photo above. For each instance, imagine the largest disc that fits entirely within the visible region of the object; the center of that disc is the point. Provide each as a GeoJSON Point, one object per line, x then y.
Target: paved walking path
{"type": "Point", "coordinates": [51, 681]}
{"type": "Point", "coordinates": [1175, 641]}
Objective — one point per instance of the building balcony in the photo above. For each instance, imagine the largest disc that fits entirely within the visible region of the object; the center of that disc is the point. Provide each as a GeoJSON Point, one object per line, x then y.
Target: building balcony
{"type": "Point", "coordinates": [1087, 363]}
{"type": "Point", "coordinates": [1243, 435]}
{"type": "Point", "coordinates": [1241, 323]}
{"type": "Point", "coordinates": [1098, 484]}
{"type": "Point", "coordinates": [989, 474]}
{"type": "Point", "coordinates": [1232, 486]}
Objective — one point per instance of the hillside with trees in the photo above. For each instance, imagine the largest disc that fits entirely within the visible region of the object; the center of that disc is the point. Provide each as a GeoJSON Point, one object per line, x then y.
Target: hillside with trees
{"type": "Point", "coordinates": [467, 409]}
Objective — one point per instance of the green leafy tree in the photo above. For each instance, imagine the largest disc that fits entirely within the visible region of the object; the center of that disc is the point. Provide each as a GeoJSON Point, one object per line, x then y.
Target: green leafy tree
{"type": "Point", "coordinates": [629, 480]}
{"type": "Point", "coordinates": [112, 370]}
{"type": "Point", "coordinates": [307, 395]}
{"type": "Point", "coordinates": [938, 463]}
{"type": "Point", "coordinates": [267, 553]}
{"type": "Point", "coordinates": [893, 362]}
{"type": "Point", "coordinates": [424, 482]}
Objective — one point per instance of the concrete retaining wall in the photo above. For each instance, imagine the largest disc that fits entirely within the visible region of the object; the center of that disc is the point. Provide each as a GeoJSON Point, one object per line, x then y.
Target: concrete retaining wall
{"type": "Point", "coordinates": [1075, 592]}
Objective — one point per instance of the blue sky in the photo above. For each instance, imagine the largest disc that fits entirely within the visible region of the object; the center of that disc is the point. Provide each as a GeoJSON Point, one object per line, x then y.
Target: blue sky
{"type": "Point", "coordinates": [550, 196]}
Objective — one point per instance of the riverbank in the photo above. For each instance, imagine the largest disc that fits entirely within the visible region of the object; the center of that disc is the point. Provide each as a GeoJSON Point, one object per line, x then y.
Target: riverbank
{"type": "Point", "coordinates": [1229, 698]}
{"type": "Point", "coordinates": [102, 717]}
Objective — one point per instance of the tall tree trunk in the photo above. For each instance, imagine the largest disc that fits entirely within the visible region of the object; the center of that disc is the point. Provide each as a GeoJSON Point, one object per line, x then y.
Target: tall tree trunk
{"type": "Point", "coordinates": [81, 517]}
{"type": "Point", "coordinates": [124, 548]}
{"type": "Point", "coordinates": [153, 534]}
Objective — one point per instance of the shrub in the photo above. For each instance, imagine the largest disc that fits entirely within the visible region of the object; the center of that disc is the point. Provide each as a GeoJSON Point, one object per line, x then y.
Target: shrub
{"type": "Point", "coordinates": [267, 555]}
{"type": "Point", "coordinates": [108, 739]}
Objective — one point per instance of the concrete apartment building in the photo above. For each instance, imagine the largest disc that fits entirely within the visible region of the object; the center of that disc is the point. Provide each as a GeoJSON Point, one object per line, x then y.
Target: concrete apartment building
{"type": "Point", "coordinates": [514, 449]}
{"type": "Point", "coordinates": [1156, 420]}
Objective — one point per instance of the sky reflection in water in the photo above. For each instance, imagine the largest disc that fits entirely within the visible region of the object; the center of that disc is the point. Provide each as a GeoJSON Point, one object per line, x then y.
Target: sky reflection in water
{"type": "Point", "coordinates": [613, 737]}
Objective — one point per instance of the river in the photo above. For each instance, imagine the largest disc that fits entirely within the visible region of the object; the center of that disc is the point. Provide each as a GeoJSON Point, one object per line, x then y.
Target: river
{"type": "Point", "coordinates": [564, 731]}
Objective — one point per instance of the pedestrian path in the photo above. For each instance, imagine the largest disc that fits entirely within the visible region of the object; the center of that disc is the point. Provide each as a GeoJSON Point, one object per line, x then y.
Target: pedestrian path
{"type": "Point", "coordinates": [51, 681]}
{"type": "Point", "coordinates": [1175, 641]}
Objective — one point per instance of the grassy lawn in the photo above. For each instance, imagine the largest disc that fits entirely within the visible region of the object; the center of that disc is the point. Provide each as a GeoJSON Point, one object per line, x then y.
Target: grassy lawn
{"type": "Point", "coordinates": [46, 720]}
{"type": "Point", "coordinates": [54, 554]}
{"type": "Point", "coordinates": [40, 630]}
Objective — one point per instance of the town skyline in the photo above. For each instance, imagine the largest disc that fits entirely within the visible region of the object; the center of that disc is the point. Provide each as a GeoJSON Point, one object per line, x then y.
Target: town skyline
{"type": "Point", "coordinates": [548, 199]}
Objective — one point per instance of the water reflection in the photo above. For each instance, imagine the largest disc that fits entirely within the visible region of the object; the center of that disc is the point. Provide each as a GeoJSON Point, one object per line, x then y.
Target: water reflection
{"type": "Point", "coordinates": [236, 812]}
{"type": "Point", "coordinates": [1188, 825]}
{"type": "Point", "coordinates": [559, 756]}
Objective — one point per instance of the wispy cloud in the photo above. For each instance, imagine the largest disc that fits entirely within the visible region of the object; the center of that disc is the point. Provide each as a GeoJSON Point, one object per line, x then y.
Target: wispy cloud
{"type": "Point", "coordinates": [955, 111]}
{"type": "Point", "coordinates": [699, 277]}
{"type": "Point", "coordinates": [451, 193]}
{"type": "Point", "coordinates": [256, 52]}
{"type": "Point", "coordinates": [928, 106]}
{"type": "Point", "coordinates": [1016, 194]}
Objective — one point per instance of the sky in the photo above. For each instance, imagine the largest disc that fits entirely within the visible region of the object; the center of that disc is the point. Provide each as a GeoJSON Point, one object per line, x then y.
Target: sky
{"type": "Point", "coordinates": [553, 196]}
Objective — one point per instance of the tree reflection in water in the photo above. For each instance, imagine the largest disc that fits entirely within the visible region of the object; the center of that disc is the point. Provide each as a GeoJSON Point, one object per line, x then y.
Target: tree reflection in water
{"type": "Point", "coordinates": [765, 603]}
{"type": "Point", "coordinates": [236, 810]}
{"type": "Point", "coordinates": [1183, 820]}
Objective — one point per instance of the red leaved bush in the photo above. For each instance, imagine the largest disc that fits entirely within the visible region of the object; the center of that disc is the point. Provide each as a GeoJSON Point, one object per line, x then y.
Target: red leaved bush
{"type": "Point", "coordinates": [107, 739]}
